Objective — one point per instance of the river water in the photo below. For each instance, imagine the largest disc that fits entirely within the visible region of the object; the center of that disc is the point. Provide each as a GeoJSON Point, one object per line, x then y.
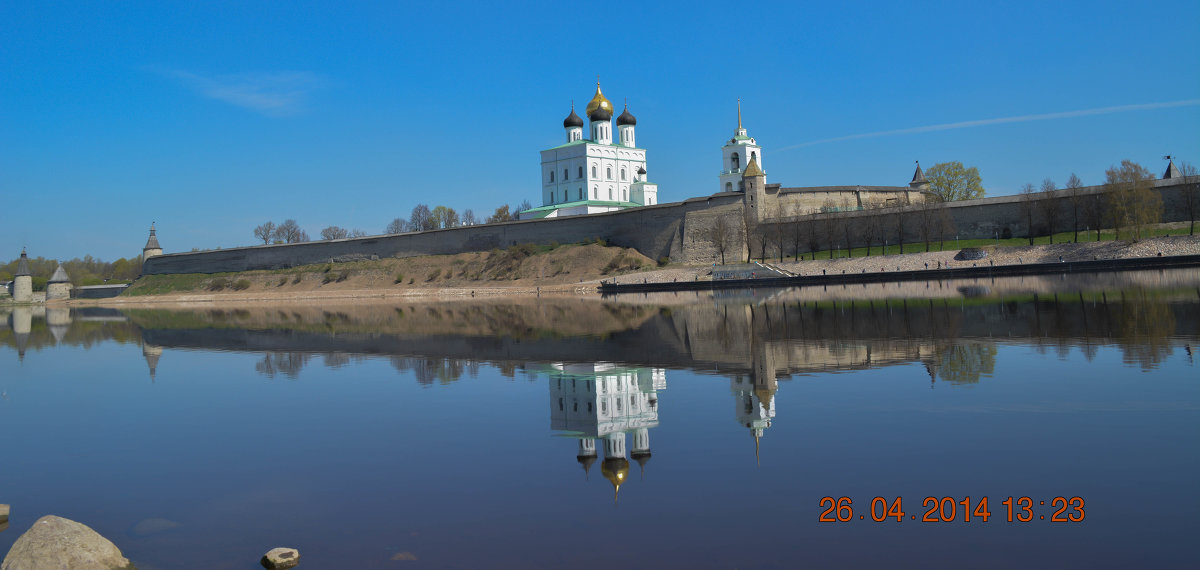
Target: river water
{"type": "Point", "coordinates": [646, 431]}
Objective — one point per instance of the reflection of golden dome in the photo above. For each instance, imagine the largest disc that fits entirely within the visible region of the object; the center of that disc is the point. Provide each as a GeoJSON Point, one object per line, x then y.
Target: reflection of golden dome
{"type": "Point", "coordinates": [615, 470]}
{"type": "Point", "coordinates": [599, 108]}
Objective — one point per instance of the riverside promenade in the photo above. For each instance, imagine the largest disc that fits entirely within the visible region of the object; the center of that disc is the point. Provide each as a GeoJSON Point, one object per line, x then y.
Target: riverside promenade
{"type": "Point", "coordinates": [982, 268]}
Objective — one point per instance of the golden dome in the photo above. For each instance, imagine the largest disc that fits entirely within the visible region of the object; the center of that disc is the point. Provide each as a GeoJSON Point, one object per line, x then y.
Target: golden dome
{"type": "Point", "coordinates": [616, 471]}
{"type": "Point", "coordinates": [599, 105]}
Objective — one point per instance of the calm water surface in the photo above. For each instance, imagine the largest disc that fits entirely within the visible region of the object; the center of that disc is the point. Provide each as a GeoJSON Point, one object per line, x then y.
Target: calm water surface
{"type": "Point", "coordinates": [644, 432]}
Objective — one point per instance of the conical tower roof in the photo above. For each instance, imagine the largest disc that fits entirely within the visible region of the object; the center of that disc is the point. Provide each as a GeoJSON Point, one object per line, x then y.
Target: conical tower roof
{"type": "Point", "coordinates": [1172, 171]}
{"type": "Point", "coordinates": [918, 176]}
{"type": "Point", "coordinates": [60, 275]}
{"type": "Point", "coordinates": [152, 243]}
{"type": "Point", "coordinates": [753, 169]}
{"type": "Point", "coordinates": [22, 264]}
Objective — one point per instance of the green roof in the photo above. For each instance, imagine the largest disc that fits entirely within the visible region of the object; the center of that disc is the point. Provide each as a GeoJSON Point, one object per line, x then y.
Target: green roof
{"type": "Point", "coordinates": [586, 141]}
{"type": "Point", "coordinates": [552, 207]}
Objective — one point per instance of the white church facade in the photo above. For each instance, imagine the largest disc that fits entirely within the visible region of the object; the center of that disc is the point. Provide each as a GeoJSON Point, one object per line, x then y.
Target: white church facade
{"type": "Point", "coordinates": [594, 175]}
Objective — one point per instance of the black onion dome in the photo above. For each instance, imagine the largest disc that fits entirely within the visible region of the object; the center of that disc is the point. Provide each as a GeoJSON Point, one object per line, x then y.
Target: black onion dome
{"type": "Point", "coordinates": [600, 114]}
{"type": "Point", "coordinates": [626, 118]}
{"type": "Point", "coordinates": [572, 120]}
{"type": "Point", "coordinates": [642, 170]}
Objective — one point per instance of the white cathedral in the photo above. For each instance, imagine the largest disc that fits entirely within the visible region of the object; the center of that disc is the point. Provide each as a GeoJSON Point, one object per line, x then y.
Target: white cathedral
{"type": "Point", "coordinates": [594, 175]}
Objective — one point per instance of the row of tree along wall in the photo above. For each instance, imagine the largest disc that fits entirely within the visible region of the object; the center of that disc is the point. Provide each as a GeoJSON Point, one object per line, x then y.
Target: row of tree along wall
{"type": "Point", "coordinates": [1002, 217]}
{"type": "Point", "coordinates": [655, 231]}
{"type": "Point", "coordinates": [687, 231]}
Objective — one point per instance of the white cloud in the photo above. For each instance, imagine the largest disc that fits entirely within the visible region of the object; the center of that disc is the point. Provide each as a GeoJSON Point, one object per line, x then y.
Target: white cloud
{"type": "Point", "coordinates": [276, 93]}
{"type": "Point", "coordinates": [1002, 120]}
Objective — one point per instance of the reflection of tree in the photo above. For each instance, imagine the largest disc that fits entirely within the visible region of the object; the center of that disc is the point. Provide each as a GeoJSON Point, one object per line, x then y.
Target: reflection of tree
{"type": "Point", "coordinates": [1145, 326]}
{"type": "Point", "coordinates": [287, 363]}
{"type": "Point", "coordinates": [962, 363]}
{"type": "Point", "coordinates": [429, 370]}
{"type": "Point", "coordinates": [336, 359]}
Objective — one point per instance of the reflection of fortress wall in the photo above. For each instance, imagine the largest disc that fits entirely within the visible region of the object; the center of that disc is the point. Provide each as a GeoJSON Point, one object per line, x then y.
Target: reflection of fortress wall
{"type": "Point", "coordinates": [792, 337]}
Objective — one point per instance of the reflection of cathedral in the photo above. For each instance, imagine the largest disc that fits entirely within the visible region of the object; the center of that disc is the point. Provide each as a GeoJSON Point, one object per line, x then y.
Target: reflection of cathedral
{"type": "Point", "coordinates": [601, 401]}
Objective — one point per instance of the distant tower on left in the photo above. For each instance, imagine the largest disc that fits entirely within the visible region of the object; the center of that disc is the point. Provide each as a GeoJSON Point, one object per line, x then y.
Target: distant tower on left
{"type": "Point", "coordinates": [152, 248]}
{"type": "Point", "coordinates": [23, 281]}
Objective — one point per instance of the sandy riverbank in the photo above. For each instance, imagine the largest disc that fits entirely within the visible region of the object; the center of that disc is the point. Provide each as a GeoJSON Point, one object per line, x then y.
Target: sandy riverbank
{"type": "Point", "coordinates": [584, 279]}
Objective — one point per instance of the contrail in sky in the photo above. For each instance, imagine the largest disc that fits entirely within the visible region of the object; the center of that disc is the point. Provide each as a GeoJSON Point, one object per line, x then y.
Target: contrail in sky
{"type": "Point", "coordinates": [1019, 119]}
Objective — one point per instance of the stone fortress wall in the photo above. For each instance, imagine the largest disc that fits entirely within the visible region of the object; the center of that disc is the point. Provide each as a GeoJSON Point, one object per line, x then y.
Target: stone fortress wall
{"type": "Point", "coordinates": [681, 231]}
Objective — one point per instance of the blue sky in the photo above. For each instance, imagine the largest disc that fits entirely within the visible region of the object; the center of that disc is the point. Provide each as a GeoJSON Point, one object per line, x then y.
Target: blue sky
{"type": "Point", "coordinates": [210, 117]}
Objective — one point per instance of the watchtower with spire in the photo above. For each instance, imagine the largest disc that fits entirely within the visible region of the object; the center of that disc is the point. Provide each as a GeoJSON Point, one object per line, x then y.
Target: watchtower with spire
{"type": "Point", "coordinates": [736, 156]}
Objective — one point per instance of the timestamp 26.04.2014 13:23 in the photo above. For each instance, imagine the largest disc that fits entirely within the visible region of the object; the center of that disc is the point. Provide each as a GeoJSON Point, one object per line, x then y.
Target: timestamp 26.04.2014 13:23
{"type": "Point", "coordinates": [949, 509]}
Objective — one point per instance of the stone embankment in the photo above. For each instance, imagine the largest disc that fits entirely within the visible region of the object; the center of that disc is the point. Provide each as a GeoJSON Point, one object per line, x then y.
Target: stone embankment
{"type": "Point", "coordinates": [996, 257]}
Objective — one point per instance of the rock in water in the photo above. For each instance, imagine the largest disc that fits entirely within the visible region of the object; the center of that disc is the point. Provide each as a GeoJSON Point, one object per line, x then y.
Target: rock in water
{"type": "Point", "coordinates": [55, 542]}
{"type": "Point", "coordinates": [280, 558]}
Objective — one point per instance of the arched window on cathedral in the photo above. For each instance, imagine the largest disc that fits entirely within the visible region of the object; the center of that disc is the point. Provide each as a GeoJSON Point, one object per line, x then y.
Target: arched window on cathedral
{"type": "Point", "coordinates": [596, 192]}
{"type": "Point", "coordinates": [552, 176]}
{"type": "Point", "coordinates": [609, 172]}
{"type": "Point", "coordinates": [622, 174]}
{"type": "Point", "coordinates": [581, 192]}
{"type": "Point", "coordinates": [734, 162]}
{"type": "Point", "coordinates": [594, 171]}
{"type": "Point", "coordinates": [729, 187]}
{"type": "Point", "coordinates": [753, 155]}
{"type": "Point", "coordinates": [610, 196]}
{"type": "Point", "coordinates": [580, 172]}
{"type": "Point", "coordinates": [565, 175]}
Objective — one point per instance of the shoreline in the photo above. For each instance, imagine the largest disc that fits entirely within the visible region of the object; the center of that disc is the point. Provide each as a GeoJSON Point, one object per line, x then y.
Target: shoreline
{"type": "Point", "coordinates": [1026, 260]}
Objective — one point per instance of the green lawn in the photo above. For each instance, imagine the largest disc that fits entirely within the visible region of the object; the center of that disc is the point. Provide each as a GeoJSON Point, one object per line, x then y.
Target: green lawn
{"type": "Point", "coordinates": [952, 244]}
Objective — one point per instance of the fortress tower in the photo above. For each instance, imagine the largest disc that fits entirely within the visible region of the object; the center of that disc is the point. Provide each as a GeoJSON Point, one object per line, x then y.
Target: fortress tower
{"type": "Point", "coordinates": [23, 281]}
{"type": "Point", "coordinates": [59, 286]}
{"type": "Point", "coordinates": [152, 248]}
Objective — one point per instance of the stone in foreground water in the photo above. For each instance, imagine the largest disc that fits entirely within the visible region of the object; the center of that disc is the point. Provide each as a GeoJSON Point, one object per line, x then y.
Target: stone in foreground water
{"type": "Point", "coordinates": [55, 542]}
{"type": "Point", "coordinates": [281, 558]}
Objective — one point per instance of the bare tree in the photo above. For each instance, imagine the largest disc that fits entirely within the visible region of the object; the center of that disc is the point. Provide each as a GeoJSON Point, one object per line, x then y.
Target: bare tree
{"type": "Point", "coordinates": [1191, 193]}
{"type": "Point", "coordinates": [334, 232]}
{"type": "Point", "coordinates": [1028, 197]}
{"type": "Point", "coordinates": [943, 224]}
{"type": "Point", "coordinates": [1075, 194]}
{"type": "Point", "coordinates": [468, 218]}
{"type": "Point", "coordinates": [357, 233]}
{"type": "Point", "coordinates": [524, 205]}
{"type": "Point", "coordinates": [1132, 203]}
{"type": "Point", "coordinates": [721, 235]}
{"type": "Point", "coordinates": [265, 232]}
{"type": "Point", "coordinates": [1048, 207]}
{"type": "Point", "coordinates": [796, 235]}
{"type": "Point", "coordinates": [927, 220]}
{"type": "Point", "coordinates": [398, 226]}
{"type": "Point", "coordinates": [900, 220]}
{"type": "Point", "coordinates": [1093, 212]}
{"type": "Point", "coordinates": [421, 219]}
{"type": "Point", "coordinates": [290, 232]}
